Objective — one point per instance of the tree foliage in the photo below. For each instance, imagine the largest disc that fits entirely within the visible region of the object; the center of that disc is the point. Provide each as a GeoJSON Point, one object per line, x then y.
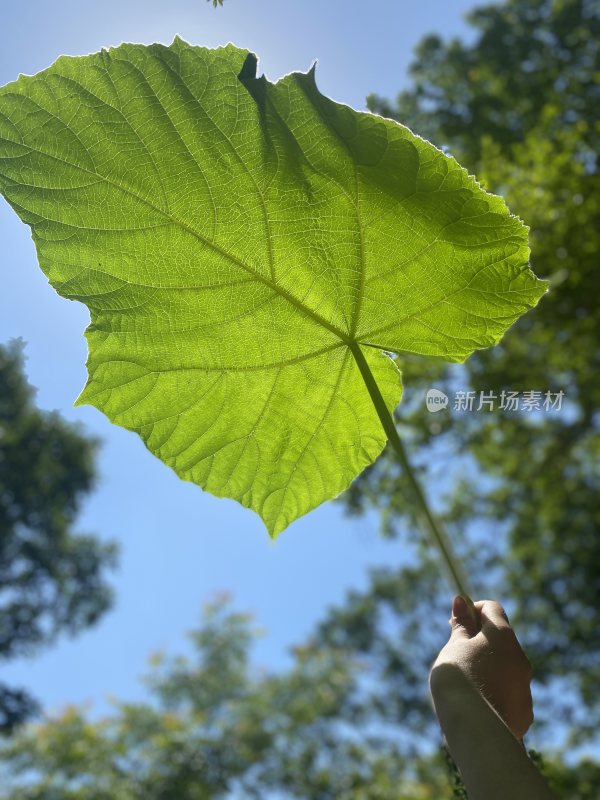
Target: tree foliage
{"type": "Point", "coordinates": [519, 106]}
{"type": "Point", "coordinates": [51, 578]}
{"type": "Point", "coordinates": [216, 727]}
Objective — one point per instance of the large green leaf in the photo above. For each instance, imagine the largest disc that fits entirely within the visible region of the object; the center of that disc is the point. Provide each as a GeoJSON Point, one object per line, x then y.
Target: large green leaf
{"type": "Point", "coordinates": [244, 247]}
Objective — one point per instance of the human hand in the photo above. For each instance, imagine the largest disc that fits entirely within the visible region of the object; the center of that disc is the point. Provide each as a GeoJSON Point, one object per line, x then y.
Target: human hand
{"type": "Point", "coordinates": [484, 648]}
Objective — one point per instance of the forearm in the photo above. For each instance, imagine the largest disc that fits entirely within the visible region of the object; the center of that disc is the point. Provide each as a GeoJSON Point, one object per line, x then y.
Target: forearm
{"type": "Point", "coordinates": [492, 762]}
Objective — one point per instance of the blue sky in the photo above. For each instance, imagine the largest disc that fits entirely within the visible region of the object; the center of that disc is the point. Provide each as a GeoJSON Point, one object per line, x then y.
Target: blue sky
{"type": "Point", "coordinates": [180, 545]}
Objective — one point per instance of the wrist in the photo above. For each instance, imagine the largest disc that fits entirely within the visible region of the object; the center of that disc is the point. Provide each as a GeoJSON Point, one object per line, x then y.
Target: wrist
{"type": "Point", "coordinates": [448, 681]}
{"type": "Point", "coordinates": [458, 703]}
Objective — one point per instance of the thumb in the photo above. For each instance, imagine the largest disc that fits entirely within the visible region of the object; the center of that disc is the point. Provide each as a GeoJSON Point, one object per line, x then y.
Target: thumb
{"type": "Point", "coordinates": [462, 621]}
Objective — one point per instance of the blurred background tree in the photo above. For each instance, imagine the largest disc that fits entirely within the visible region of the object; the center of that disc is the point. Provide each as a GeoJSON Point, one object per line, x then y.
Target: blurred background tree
{"type": "Point", "coordinates": [51, 578]}
{"type": "Point", "coordinates": [216, 727]}
{"type": "Point", "coordinates": [519, 107]}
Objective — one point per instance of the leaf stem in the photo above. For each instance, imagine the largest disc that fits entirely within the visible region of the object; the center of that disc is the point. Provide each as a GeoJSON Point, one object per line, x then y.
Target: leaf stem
{"type": "Point", "coordinates": [438, 534]}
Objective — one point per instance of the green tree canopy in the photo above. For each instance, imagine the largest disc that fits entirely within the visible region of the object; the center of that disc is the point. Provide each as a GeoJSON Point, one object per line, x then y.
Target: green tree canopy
{"type": "Point", "coordinates": [526, 58]}
{"type": "Point", "coordinates": [519, 105]}
{"type": "Point", "coordinates": [214, 726]}
{"type": "Point", "coordinates": [52, 579]}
